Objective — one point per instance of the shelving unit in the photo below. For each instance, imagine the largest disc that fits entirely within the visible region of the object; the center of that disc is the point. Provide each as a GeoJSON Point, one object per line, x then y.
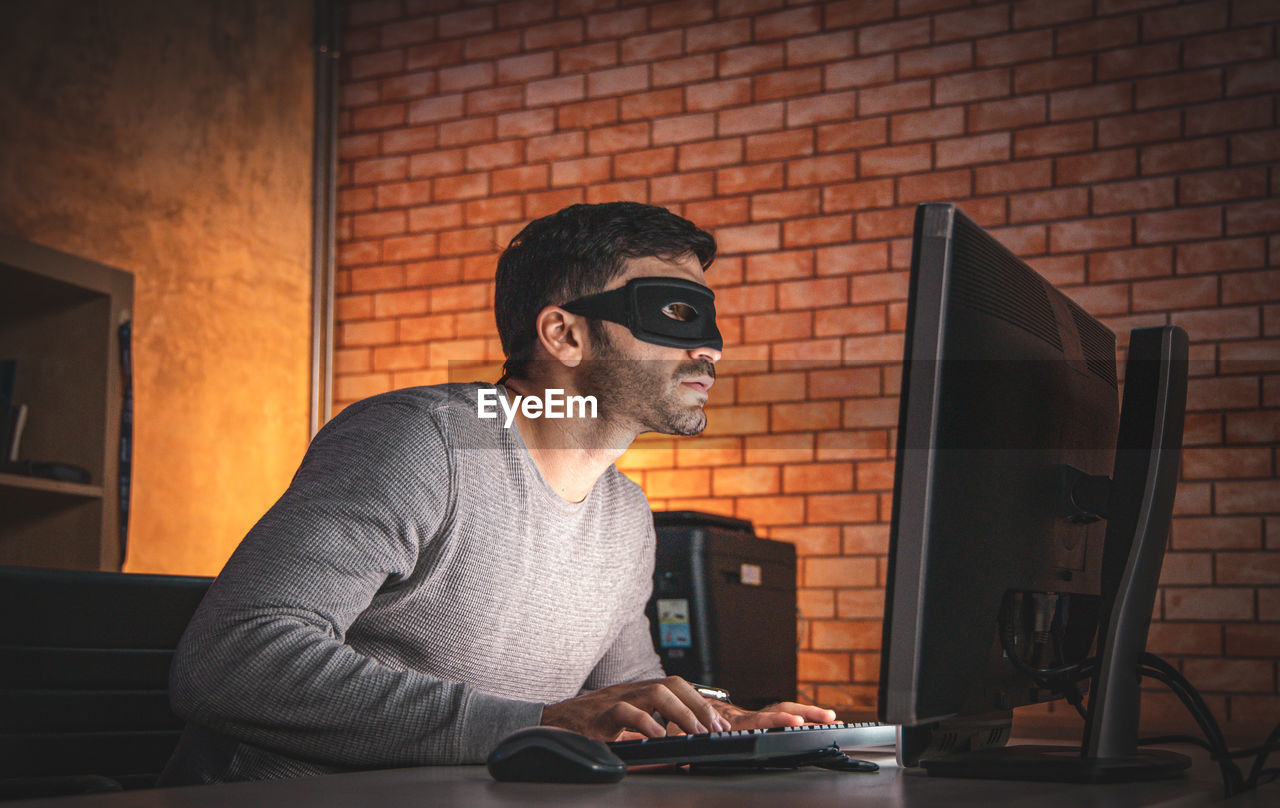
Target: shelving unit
{"type": "Point", "coordinates": [59, 318]}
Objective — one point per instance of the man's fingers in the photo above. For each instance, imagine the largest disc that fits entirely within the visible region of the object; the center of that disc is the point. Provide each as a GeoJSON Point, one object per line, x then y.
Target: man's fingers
{"type": "Point", "coordinates": [697, 703]}
{"type": "Point", "coordinates": [808, 712]}
{"type": "Point", "coordinates": [624, 716]}
{"type": "Point", "coordinates": [673, 708]}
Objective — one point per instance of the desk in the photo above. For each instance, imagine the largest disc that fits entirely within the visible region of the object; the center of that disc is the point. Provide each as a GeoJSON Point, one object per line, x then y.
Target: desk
{"type": "Point", "coordinates": [472, 786]}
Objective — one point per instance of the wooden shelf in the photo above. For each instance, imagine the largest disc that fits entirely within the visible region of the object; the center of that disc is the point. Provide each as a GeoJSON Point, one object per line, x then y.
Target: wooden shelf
{"type": "Point", "coordinates": [51, 486]}
{"type": "Point", "coordinates": [60, 317]}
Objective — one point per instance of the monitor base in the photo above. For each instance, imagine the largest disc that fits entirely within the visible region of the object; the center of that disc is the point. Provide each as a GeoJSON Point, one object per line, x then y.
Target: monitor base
{"type": "Point", "coordinates": [1058, 764]}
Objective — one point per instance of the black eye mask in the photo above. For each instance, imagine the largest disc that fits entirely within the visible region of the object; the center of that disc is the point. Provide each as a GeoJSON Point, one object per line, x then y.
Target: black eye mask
{"type": "Point", "coordinates": [664, 311]}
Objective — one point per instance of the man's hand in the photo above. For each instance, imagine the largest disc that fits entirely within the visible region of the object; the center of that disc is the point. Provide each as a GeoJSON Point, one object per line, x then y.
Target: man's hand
{"type": "Point", "coordinates": [605, 713]}
{"type": "Point", "coordinates": [782, 714]}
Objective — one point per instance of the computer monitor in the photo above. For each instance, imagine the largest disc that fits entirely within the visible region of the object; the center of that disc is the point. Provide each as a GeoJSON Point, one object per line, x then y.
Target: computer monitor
{"type": "Point", "coordinates": [1029, 515]}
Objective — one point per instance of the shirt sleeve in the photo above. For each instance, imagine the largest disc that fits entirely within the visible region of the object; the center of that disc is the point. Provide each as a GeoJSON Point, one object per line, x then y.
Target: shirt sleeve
{"type": "Point", "coordinates": [264, 659]}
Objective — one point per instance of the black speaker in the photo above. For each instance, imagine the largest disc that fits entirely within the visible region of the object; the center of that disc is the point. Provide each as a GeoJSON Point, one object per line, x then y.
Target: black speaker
{"type": "Point", "coordinates": [723, 610]}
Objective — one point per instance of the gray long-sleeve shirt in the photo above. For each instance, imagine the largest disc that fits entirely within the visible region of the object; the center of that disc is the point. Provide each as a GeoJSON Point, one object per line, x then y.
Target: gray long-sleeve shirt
{"type": "Point", "coordinates": [417, 593]}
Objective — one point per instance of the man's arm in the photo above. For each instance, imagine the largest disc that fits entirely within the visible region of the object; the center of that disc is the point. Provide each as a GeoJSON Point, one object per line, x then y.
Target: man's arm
{"type": "Point", "coordinates": [264, 660]}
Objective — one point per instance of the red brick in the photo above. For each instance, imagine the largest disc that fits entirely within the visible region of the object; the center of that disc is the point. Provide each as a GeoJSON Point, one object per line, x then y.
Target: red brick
{"type": "Point", "coordinates": [933, 124]}
{"type": "Point", "coordinates": [1177, 293]}
{"type": "Point", "coordinates": [617, 24]}
{"type": "Point", "coordinates": [1185, 224]}
{"type": "Point", "coordinates": [812, 666]}
{"type": "Point", "coordinates": [935, 61]}
{"type": "Point", "coordinates": [712, 212]}
{"type": "Point", "coordinates": [1090, 235]}
{"type": "Point", "coordinates": [895, 160]}
{"type": "Point", "coordinates": [1012, 113]}
{"type": "Point", "coordinates": [718, 94]}
{"type": "Point", "coordinates": [770, 510]}
{"type": "Point", "coordinates": [824, 48]}
{"type": "Point", "coordinates": [1097, 166]}
{"type": "Point", "coordinates": [676, 188]}
{"type": "Point", "coordinates": [618, 81]}
{"type": "Point", "coordinates": [847, 635]}
{"type": "Point", "coordinates": [893, 36]}
{"type": "Point", "coordinates": [782, 84]}
{"type": "Point", "coordinates": [1143, 127]}
{"type": "Point", "coordinates": [436, 108]}
{"type": "Point", "coordinates": [1252, 78]}
{"type": "Point", "coordinates": [585, 58]}
{"type": "Point", "coordinates": [828, 107]}
{"type": "Point", "coordinates": [1020, 47]}
{"type": "Point", "coordinates": [1146, 262]}
{"type": "Point", "coordinates": [1231, 392]}
{"type": "Point", "coordinates": [1179, 89]}
{"type": "Point", "coordinates": [1231, 254]}
{"type": "Point", "coordinates": [817, 230]}
{"type": "Point", "coordinates": [488, 46]}
{"type": "Point", "coordinates": [683, 71]}
{"type": "Point", "coordinates": [1253, 217]}
{"type": "Point", "coordinates": [678, 482]}
{"type": "Point", "coordinates": [807, 353]}
{"type": "Point", "coordinates": [525, 67]}
{"type": "Point", "coordinates": [1231, 675]}
{"type": "Point", "coordinates": [1185, 638]}
{"type": "Point", "coordinates": [821, 170]}
{"type": "Point", "coordinates": [1188, 18]}
{"type": "Point", "coordinates": [870, 194]}
{"type": "Point", "coordinates": [790, 447]}
{"type": "Point", "coordinates": [554, 34]}
{"type": "Point", "coordinates": [555, 91]}
{"type": "Point", "coordinates": [989, 148]}
{"type": "Point", "coordinates": [367, 332]}
{"type": "Point", "coordinates": [1220, 463]}
{"type": "Point", "coordinates": [717, 36]}
{"type": "Point", "coordinates": [1057, 139]}
{"type": "Point", "coordinates": [1253, 427]}
{"type": "Point", "coordinates": [1118, 197]}
{"type": "Point", "coordinates": [859, 72]}
{"type": "Point", "coordinates": [735, 481]}
{"type": "Point", "coordinates": [842, 509]}
{"type": "Point", "coordinates": [468, 131]}
{"type": "Point", "coordinates": [1217, 533]}
{"type": "Point", "coordinates": [648, 47]}
{"type": "Point", "coordinates": [1217, 186]}
{"type": "Point", "coordinates": [789, 204]}
{"type": "Point", "coordinates": [1138, 61]}
{"type": "Point", "coordinates": [557, 146]}
{"type": "Point", "coordinates": [1053, 74]}
{"type": "Point", "coordinates": [653, 104]}
{"type": "Point", "coordinates": [1014, 176]}
{"type": "Point", "coordinates": [1256, 356]}
{"type": "Point", "coordinates": [855, 135]}
{"type": "Point", "coordinates": [466, 77]}
{"type": "Point", "coordinates": [779, 266]}
{"type": "Point", "coordinates": [1053, 205]}
{"type": "Point", "coordinates": [971, 23]}
{"type": "Point", "coordinates": [896, 97]}
{"type": "Point", "coordinates": [748, 120]}
{"type": "Point", "coordinates": [1252, 641]}
{"type": "Point", "coordinates": [1192, 603]}
{"type": "Point", "coordinates": [710, 154]}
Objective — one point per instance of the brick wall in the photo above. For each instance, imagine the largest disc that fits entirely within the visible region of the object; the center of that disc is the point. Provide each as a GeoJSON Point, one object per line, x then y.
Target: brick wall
{"type": "Point", "coordinates": [1126, 148]}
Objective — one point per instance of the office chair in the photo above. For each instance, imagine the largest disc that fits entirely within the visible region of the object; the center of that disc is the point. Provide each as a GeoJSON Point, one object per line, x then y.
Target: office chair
{"type": "Point", "coordinates": [84, 670]}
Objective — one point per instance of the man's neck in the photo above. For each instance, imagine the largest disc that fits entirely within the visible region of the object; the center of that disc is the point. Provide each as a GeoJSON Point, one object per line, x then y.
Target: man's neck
{"type": "Point", "coordinates": [571, 453]}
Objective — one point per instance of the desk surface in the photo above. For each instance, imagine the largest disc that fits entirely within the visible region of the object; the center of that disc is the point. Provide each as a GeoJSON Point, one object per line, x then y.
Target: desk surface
{"type": "Point", "coordinates": [472, 786]}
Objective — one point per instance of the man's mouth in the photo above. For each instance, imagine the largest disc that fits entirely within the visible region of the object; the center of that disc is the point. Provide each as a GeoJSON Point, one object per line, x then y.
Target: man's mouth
{"type": "Point", "coordinates": [701, 383]}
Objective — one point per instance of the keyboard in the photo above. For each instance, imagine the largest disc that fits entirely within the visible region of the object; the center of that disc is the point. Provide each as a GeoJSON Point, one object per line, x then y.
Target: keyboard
{"type": "Point", "coordinates": [746, 745]}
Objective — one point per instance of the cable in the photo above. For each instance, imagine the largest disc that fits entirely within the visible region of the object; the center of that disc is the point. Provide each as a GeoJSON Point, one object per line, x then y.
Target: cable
{"type": "Point", "coordinates": [1268, 746]}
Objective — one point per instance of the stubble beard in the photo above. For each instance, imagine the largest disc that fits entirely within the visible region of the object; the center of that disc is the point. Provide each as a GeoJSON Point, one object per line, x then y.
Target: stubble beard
{"type": "Point", "coordinates": [646, 393]}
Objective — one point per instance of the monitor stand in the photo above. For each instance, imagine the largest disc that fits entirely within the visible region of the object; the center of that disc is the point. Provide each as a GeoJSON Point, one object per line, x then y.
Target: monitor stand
{"type": "Point", "coordinates": [1139, 512]}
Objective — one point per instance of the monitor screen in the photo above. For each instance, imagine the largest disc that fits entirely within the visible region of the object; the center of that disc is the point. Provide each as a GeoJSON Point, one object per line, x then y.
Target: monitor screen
{"type": "Point", "coordinates": [1008, 389]}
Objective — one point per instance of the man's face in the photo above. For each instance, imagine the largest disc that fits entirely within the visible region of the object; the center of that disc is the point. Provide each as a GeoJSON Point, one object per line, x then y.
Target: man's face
{"type": "Point", "coordinates": [654, 387]}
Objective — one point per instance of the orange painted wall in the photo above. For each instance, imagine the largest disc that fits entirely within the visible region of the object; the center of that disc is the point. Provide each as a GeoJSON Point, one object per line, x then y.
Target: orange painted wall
{"type": "Point", "coordinates": [173, 140]}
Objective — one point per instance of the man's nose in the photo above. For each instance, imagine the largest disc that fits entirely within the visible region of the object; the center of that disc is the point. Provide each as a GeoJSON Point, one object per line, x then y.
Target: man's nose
{"type": "Point", "coordinates": [706, 352]}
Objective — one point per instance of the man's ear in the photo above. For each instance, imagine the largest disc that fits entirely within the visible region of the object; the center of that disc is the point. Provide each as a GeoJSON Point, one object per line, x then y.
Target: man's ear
{"type": "Point", "coordinates": [561, 334]}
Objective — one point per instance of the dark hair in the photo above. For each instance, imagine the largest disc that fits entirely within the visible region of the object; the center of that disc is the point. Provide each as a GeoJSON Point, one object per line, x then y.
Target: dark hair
{"type": "Point", "coordinates": [576, 252]}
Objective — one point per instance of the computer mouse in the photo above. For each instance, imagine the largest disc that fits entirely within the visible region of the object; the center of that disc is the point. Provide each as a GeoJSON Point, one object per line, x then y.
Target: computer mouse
{"type": "Point", "coordinates": [554, 755]}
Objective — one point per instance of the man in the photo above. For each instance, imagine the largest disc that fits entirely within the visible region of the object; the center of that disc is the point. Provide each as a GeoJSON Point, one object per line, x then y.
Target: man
{"type": "Point", "coordinates": [435, 578]}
